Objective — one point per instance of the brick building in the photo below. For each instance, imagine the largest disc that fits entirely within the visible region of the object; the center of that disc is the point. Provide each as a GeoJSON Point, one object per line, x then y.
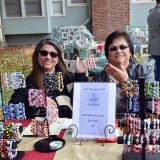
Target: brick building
{"type": "Point", "coordinates": [108, 16]}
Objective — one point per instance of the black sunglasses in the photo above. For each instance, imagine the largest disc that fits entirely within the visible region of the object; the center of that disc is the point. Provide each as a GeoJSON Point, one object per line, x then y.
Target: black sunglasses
{"type": "Point", "coordinates": [44, 53]}
{"type": "Point", "coordinates": [115, 48]}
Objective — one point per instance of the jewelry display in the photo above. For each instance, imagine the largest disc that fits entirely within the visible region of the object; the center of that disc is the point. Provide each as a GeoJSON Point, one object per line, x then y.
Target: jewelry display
{"type": "Point", "coordinates": [52, 114]}
{"type": "Point", "coordinates": [10, 135]}
{"type": "Point", "coordinates": [14, 111]}
{"type": "Point", "coordinates": [53, 81]}
{"type": "Point", "coordinates": [40, 127]}
{"type": "Point", "coordinates": [12, 80]}
{"type": "Point", "coordinates": [141, 131]}
{"type": "Point", "coordinates": [36, 98]}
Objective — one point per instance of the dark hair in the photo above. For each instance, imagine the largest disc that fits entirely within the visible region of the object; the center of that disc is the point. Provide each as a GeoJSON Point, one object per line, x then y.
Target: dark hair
{"type": "Point", "coordinates": [37, 71]}
{"type": "Point", "coordinates": [158, 1]}
{"type": "Point", "coordinates": [113, 36]}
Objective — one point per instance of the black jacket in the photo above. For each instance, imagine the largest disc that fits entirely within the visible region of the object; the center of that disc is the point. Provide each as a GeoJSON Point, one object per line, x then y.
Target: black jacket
{"type": "Point", "coordinates": [21, 95]}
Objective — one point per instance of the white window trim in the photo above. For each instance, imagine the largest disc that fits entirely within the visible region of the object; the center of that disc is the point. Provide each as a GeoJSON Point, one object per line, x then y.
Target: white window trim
{"type": "Point", "coordinates": [23, 10]}
{"type": "Point", "coordinates": [143, 1]}
{"type": "Point", "coordinates": [70, 4]}
{"type": "Point", "coordinates": [63, 9]}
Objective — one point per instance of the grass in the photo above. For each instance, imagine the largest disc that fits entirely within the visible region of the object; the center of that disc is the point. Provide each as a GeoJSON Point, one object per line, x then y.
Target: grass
{"type": "Point", "coordinates": [11, 61]}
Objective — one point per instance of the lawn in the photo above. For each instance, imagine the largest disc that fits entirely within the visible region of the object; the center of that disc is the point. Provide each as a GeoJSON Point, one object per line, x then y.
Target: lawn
{"type": "Point", "coordinates": [11, 61]}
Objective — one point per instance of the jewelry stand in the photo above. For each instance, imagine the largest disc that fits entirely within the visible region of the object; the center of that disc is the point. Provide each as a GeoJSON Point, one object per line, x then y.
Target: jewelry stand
{"type": "Point", "coordinates": [142, 114]}
{"type": "Point", "coordinates": [80, 143]}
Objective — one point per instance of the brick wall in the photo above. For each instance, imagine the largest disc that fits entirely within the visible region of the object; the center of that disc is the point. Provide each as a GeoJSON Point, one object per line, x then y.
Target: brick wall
{"type": "Point", "coordinates": [108, 16]}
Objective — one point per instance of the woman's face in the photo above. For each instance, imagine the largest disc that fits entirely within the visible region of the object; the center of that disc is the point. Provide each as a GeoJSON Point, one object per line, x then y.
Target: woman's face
{"type": "Point", "coordinates": [48, 56]}
{"type": "Point", "coordinates": [119, 51]}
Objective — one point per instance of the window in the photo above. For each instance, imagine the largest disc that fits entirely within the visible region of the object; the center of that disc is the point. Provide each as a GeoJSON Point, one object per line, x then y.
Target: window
{"type": "Point", "coordinates": [58, 7]}
{"type": "Point", "coordinates": [76, 2]}
{"type": "Point", "coordinates": [33, 8]}
{"type": "Point", "coordinates": [13, 8]}
{"type": "Point", "coordinates": [143, 1]}
{"type": "Point", "coordinates": [22, 8]}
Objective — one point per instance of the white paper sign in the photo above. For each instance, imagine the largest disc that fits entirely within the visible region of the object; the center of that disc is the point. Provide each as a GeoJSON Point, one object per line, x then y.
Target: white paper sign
{"type": "Point", "coordinates": [94, 108]}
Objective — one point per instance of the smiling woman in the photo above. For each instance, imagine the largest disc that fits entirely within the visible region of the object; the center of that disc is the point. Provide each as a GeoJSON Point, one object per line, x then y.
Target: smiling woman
{"type": "Point", "coordinates": [50, 70]}
{"type": "Point", "coordinates": [120, 54]}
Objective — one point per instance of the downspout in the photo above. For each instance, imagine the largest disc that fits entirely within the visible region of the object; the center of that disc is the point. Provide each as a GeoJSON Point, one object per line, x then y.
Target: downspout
{"type": "Point", "coordinates": [3, 42]}
{"type": "Point", "coordinates": [89, 14]}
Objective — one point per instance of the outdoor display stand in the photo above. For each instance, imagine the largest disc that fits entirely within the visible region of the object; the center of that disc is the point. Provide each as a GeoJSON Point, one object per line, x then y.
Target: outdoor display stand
{"type": "Point", "coordinates": [110, 131]}
{"type": "Point", "coordinates": [91, 114]}
{"type": "Point", "coordinates": [129, 140]}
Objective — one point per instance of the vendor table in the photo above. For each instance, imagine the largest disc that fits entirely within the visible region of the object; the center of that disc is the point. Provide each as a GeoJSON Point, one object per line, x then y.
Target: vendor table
{"type": "Point", "coordinates": [72, 150]}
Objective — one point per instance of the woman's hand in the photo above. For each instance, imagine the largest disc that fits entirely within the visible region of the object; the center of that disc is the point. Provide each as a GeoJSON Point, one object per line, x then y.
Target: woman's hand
{"type": "Point", "coordinates": [86, 64]}
{"type": "Point", "coordinates": [51, 102]}
{"type": "Point", "coordinates": [118, 74]}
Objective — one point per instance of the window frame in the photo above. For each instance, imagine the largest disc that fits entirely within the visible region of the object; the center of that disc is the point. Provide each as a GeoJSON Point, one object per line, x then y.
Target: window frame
{"type": "Point", "coordinates": [71, 4]}
{"type": "Point", "coordinates": [143, 1]}
{"type": "Point", "coordinates": [63, 8]}
{"type": "Point", "coordinates": [22, 10]}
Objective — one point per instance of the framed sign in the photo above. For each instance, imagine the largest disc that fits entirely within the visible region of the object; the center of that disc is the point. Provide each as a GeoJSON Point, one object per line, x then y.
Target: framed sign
{"type": "Point", "coordinates": [94, 109]}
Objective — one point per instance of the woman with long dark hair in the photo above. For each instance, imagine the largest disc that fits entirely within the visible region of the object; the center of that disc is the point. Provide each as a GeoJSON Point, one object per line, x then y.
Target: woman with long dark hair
{"type": "Point", "coordinates": [47, 57]}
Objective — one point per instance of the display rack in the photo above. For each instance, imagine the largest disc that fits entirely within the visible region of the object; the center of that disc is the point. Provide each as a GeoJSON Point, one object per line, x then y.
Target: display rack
{"type": "Point", "coordinates": [142, 114]}
{"type": "Point", "coordinates": [111, 130]}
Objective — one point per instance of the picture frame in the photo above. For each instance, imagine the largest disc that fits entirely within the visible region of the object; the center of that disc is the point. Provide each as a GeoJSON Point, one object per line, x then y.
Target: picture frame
{"type": "Point", "coordinates": [64, 35]}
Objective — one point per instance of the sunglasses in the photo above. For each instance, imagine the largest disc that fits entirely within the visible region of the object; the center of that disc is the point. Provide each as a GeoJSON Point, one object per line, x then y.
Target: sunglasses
{"type": "Point", "coordinates": [44, 53]}
{"type": "Point", "coordinates": [115, 48]}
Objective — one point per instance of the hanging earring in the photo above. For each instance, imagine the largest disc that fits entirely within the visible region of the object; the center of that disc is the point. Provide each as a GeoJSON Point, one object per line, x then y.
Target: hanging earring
{"type": "Point", "coordinates": [130, 59]}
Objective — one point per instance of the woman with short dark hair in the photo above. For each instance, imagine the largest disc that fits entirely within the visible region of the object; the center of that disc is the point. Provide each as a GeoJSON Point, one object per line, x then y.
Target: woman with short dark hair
{"type": "Point", "coordinates": [121, 65]}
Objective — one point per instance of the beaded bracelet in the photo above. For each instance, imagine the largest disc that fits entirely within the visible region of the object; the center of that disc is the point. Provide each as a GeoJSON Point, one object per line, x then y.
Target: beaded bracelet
{"type": "Point", "coordinates": [8, 148]}
{"type": "Point", "coordinates": [39, 128]}
{"type": "Point", "coordinates": [13, 80]}
{"type": "Point", "coordinates": [53, 81]}
{"type": "Point", "coordinates": [14, 111]}
{"type": "Point", "coordinates": [36, 98]}
{"type": "Point", "coordinates": [52, 114]}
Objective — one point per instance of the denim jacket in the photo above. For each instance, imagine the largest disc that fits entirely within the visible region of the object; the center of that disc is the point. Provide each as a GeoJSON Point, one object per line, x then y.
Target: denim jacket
{"type": "Point", "coordinates": [135, 70]}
